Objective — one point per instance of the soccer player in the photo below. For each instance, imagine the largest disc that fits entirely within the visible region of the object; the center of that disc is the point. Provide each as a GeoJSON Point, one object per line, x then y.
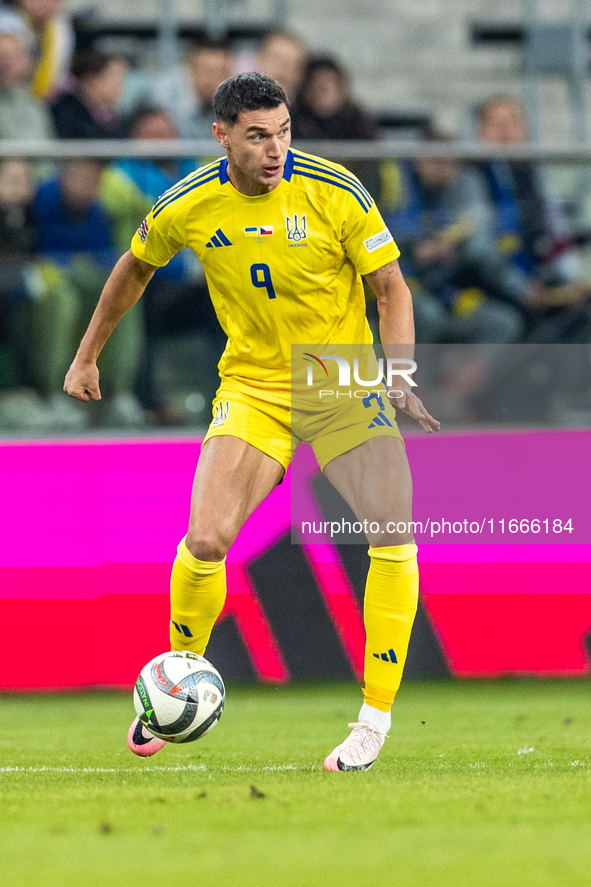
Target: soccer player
{"type": "Point", "coordinates": [283, 237]}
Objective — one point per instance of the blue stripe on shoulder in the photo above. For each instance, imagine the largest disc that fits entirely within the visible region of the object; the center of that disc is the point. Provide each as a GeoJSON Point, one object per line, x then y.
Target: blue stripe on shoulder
{"type": "Point", "coordinates": [288, 168]}
{"type": "Point", "coordinates": [313, 163]}
{"type": "Point", "coordinates": [200, 173]}
{"type": "Point", "coordinates": [324, 164]}
{"type": "Point", "coordinates": [337, 184]}
{"type": "Point", "coordinates": [210, 178]}
{"type": "Point", "coordinates": [353, 183]}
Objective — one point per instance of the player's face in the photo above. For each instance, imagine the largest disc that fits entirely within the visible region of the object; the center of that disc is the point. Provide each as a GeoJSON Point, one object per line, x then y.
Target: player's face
{"type": "Point", "coordinates": [257, 147]}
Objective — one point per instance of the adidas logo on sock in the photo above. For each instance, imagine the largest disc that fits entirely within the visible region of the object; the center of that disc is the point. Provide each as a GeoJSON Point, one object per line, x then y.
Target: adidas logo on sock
{"type": "Point", "coordinates": [390, 656]}
{"type": "Point", "coordinates": [182, 629]}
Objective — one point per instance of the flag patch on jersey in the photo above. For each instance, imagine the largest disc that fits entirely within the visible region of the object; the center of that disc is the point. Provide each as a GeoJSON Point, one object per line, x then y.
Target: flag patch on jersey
{"type": "Point", "coordinates": [143, 231]}
{"type": "Point", "coordinates": [218, 239]}
{"type": "Point", "coordinates": [378, 240]}
{"type": "Point", "coordinates": [258, 230]}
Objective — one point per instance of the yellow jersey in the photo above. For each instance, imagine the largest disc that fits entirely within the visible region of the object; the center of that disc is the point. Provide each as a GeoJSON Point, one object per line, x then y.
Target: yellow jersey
{"type": "Point", "coordinates": [282, 268]}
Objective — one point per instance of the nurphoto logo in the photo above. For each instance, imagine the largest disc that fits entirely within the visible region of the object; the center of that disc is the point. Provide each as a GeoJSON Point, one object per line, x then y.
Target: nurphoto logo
{"type": "Point", "coordinates": [385, 371]}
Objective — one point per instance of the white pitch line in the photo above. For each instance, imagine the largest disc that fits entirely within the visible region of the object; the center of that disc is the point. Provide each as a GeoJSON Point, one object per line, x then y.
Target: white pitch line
{"type": "Point", "coordinates": [179, 768]}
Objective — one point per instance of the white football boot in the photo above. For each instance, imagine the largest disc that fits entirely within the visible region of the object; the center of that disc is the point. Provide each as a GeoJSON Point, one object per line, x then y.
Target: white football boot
{"type": "Point", "coordinates": [359, 750]}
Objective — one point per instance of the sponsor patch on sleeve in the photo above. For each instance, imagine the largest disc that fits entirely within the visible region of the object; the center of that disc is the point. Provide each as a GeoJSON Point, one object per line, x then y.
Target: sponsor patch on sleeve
{"type": "Point", "coordinates": [378, 240]}
{"type": "Point", "coordinates": [143, 231]}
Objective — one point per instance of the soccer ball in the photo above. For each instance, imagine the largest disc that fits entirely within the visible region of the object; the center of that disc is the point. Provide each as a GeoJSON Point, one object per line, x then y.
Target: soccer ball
{"type": "Point", "coordinates": [179, 696]}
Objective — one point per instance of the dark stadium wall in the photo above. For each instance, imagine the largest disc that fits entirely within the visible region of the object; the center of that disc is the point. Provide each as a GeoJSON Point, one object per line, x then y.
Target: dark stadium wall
{"type": "Point", "coordinates": [94, 590]}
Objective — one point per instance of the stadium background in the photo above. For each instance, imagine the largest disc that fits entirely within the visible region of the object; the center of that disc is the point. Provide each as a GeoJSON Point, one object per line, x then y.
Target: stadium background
{"type": "Point", "coordinates": [93, 503]}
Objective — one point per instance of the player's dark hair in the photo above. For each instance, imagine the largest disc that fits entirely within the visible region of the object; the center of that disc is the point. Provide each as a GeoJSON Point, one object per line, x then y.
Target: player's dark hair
{"type": "Point", "coordinates": [246, 92]}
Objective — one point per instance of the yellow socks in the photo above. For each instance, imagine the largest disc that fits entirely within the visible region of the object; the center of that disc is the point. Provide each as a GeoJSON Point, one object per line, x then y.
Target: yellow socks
{"type": "Point", "coordinates": [197, 595]}
{"type": "Point", "coordinates": [198, 591]}
{"type": "Point", "coordinates": [391, 596]}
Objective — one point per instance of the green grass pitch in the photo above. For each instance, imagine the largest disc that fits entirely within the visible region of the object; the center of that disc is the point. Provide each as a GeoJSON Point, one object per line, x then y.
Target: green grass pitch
{"type": "Point", "coordinates": [480, 784]}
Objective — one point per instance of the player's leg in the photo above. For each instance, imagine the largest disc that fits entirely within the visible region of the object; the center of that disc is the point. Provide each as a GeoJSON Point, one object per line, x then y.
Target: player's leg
{"type": "Point", "coordinates": [374, 479]}
{"type": "Point", "coordinates": [231, 479]}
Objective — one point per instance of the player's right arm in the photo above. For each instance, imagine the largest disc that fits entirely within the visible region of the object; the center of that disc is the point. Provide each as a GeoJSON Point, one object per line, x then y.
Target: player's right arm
{"type": "Point", "coordinates": [156, 241]}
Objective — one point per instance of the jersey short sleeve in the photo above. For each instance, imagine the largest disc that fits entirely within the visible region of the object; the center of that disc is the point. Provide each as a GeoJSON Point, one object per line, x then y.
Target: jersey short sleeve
{"type": "Point", "coordinates": [158, 238]}
{"type": "Point", "coordinates": [365, 237]}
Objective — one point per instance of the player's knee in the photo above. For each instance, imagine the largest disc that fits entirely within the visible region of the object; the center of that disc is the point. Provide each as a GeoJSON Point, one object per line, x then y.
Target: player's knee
{"type": "Point", "coordinates": [206, 546]}
{"type": "Point", "coordinates": [386, 539]}
{"type": "Point", "coordinates": [387, 530]}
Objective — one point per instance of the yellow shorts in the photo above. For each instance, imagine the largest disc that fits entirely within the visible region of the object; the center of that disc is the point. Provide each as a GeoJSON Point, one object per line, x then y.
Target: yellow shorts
{"type": "Point", "coordinates": [264, 420]}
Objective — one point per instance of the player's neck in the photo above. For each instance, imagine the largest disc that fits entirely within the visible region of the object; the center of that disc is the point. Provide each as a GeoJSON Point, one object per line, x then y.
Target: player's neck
{"type": "Point", "coordinates": [245, 184]}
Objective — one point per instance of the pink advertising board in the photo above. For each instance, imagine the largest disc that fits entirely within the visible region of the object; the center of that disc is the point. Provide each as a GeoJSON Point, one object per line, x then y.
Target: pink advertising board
{"type": "Point", "coordinates": [89, 528]}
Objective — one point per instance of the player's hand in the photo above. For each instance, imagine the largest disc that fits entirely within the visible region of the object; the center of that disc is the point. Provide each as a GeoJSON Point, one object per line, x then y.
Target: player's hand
{"type": "Point", "coordinates": [410, 404]}
{"type": "Point", "coordinates": [82, 381]}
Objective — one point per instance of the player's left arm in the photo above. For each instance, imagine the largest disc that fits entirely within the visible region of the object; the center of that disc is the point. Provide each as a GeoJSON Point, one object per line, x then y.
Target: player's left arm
{"type": "Point", "coordinates": [371, 248]}
{"type": "Point", "coordinates": [397, 333]}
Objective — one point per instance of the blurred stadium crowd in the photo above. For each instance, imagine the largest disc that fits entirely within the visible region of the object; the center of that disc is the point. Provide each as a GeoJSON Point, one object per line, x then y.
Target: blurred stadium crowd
{"type": "Point", "coordinates": [488, 250]}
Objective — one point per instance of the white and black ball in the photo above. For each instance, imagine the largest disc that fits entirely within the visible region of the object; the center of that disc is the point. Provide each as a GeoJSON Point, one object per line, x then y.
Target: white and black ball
{"type": "Point", "coordinates": [179, 696]}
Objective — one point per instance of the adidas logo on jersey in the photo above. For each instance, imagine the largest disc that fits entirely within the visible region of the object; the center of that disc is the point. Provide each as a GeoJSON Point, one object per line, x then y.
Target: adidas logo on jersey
{"type": "Point", "coordinates": [218, 239]}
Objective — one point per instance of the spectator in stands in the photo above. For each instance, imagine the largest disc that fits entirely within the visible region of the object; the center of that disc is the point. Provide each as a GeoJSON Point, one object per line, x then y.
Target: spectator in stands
{"type": "Point", "coordinates": [53, 43]}
{"type": "Point", "coordinates": [35, 313]}
{"type": "Point", "coordinates": [531, 228]}
{"type": "Point", "coordinates": [129, 188]}
{"type": "Point", "coordinates": [17, 243]}
{"type": "Point", "coordinates": [88, 109]}
{"type": "Point", "coordinates": [324, 107]}
{"type": "Point", "coordinates": [21, 115]}
{"type": "Point", "coordinates": [282, 56]}
{"type": "Point", "coordinates": [70, 219]}
{"type": "Point", "coordinates": [463, 290]}
{"type": "Point", "coordinates": [187, 92]}
{"type": "Point", "coordinates": [75, 233]}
